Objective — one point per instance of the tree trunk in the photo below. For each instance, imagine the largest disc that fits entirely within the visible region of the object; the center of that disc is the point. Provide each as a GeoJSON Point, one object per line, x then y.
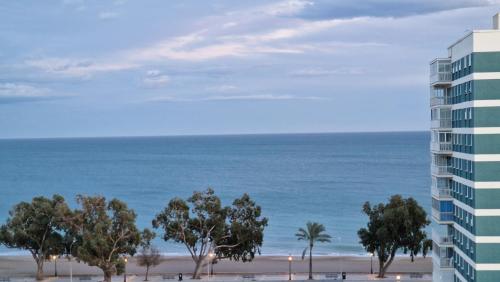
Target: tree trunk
{"type": "Point", "coordinates": [39, 269]}
{"type": "Point", "coordinates": [108, 273]}
{"type": "Point", "coordinates": [147, 272]}
{"type": "Point", "coordinates": [310, 262]}
{"type": "Point", "coordinates": [380, 268]}
{"type": "Point", "coordinates": [384, 268]}
{"type": "Point", "coordinates": [412, 257]}
{"type": "Point", "coordinates": [197, 269]}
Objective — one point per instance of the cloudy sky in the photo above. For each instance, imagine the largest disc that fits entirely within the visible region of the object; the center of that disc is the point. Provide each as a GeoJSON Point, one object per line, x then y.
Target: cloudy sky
{"type": "Point", "coordinates": [123, 67]}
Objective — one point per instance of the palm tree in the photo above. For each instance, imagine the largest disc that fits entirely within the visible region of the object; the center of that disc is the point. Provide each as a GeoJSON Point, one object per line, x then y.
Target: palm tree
{"type": "Point", "coordinates": [313, 234]}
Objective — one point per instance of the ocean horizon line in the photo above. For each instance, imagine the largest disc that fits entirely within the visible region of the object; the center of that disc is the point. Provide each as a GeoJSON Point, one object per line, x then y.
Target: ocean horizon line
{"type": "Point", "coordinates": [212, 135]}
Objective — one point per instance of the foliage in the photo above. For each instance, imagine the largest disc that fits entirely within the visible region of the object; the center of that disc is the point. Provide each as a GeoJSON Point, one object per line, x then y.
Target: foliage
{"type": "Point", "coordinates": [149, 256]}
{"type": "Point", "coordinates": [397, 224]}
{"type": "Point", "coordinates": [417, 219]}
{"type": "Point", "coordinates": [313, 233]}
{"type": "Point", "coordinates": [210, 231]}
{"type": "Point", "coordinates": [105, 233]}
{"type": "Point", "coordinates": [426, 247]}
{"type": "Point", "coordinates": [37, 227]}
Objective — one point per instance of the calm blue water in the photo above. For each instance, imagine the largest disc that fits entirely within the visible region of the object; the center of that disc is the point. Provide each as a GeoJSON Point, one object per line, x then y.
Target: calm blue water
{"type": "Point", "coordinates": [294, 177]}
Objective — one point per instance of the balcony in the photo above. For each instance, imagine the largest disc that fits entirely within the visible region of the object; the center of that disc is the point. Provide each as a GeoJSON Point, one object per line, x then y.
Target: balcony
{"type": "Point", "coordinates": [441, 170]}
{"type": "Point", "coordinates": [440, 72]}
{"type": "Point", "coordinates": [444, 123]}
{"type": "Point", "coordinates": [442, 260]}
{"type": "Point", "coordinates": [440, 101]}
{"type": "Point", "coordinates": [441, 193]}
{"type": "Point", "coordinates": [442, 240]}
{"type": "Point", "coordinates": [442, 217]}
{"type": "Point", "coordinates": [446, 262]}
{"type": "Point", "coordinates": [441, 147]}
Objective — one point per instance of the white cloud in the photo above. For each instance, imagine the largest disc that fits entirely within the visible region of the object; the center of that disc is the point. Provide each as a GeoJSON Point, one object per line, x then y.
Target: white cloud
{"type": "Point", "coordinates": [263, 97]}
{"type": "Point", "coordinates": [155, 78]}
{"type": "Point", "coordinates": [311, 72]}
{"type": "Point", "coordinates": [225, 88]}
{"type": "Point", "coordinates": [81, 68]}
{"type": "Point", "coordinates": [108, 15]}
{"type": "Point", "coordinates": [78, 4]}
{"type": "Point", "coordinates": [199, 47]}
{"type": "Point", "coordinates": [229, 24]}
{"type": "Point", "coordinates": [287, 8]}
{"type": "Point", "coordinates": [300, 28]}
{"type": "Point", "coordinates": [14, 92]}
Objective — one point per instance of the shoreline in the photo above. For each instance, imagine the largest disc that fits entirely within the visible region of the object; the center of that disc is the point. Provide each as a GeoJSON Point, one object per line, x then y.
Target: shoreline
{"type": "Point", "coordinates": [175, 255]}
{"type": "Point", "coordinates": [24, 266]}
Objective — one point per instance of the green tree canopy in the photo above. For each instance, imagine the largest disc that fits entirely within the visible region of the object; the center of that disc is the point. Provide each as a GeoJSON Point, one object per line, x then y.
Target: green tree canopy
{"type": "Point", "coordinates": [209, 230]}
{"type": "Point", "coordinates": [417, 219]}
{"type": "Point", "coordinates": [37, 227]}
{"type": "Point", "coordinates": [397, 224]}
{"type": "Point", "coordinates": [105, 233]}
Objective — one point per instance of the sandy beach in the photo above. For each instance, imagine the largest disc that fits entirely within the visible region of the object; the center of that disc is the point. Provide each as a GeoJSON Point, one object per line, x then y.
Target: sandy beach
{"type": "Point", "coordinates": [24, 266]}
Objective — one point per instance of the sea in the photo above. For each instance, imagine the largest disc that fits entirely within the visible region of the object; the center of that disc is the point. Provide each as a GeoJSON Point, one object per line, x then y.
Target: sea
{"type": "Point", "coordinates": [295, 178]}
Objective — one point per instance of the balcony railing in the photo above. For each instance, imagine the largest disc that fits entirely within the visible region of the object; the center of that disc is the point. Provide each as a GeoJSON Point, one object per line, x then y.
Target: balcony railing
{"type": "Point", "coordinates": [438, 101]}
{"type": "Point", "coordinates": [442, 216]}
{"type": "Point", "coordinates": [442, 240]}
{"type": "Point", "coordinates": [440, 170]}
{"type": "Point", "coordinates": [445, 262]}
{"type": "Point", "coordinates": [441, 146]}
{"type": "Point", "coordinates": [440, 71]}
{"type": "Point", "coordinates": [441, 78]}
{"type": "Point", "coordinates": [441, 193]}
{"type": "Point", "coordinates": [441, 123]}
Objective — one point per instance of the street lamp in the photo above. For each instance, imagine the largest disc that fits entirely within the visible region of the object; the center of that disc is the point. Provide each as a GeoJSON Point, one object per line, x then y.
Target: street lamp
{"type": "Point", "coordinates": [398, 278]}
{"type": "Point", "coordinates": [371, 262]}
{"type": "Point", "coordinates": [125, 259]}
{"type": "Point", "coordinates": [54, 258]}
{"type": "Point", "coordinates": [70, 257]}
{"type": "Point", "coordinates": [210, 259]}
{"type": "Point", "coordinates": [290, 267]}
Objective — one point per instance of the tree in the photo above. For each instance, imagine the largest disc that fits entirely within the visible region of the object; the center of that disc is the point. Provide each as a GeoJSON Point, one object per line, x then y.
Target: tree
{"type": "Point", "coordinates": [105, 233]}
{"type": "Point", "coordinates": [149, 256]}
{"type": "Point", "coordinates": [390, 227]}
{"type": "Point", "coordinates": [210, 231]}
{"type": "Point", "coordinates": [426, 247]}
{"type": "Point", "coordinates": [414, 245]}
{"type": "Point", "coordinates": [313, 233]}
{"type": "Point", "coordinates": [417, 219]}
{"type": "Point", "coordinates": [37, 227]}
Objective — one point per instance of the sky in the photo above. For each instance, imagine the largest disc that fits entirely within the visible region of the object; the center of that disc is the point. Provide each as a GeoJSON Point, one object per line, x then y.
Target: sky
{"type": "Point", "coordinates": [82, 68]}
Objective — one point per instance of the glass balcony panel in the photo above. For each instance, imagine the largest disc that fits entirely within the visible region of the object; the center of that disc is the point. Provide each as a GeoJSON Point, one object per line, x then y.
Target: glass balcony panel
{"type": "Point", "coordinates": [442, 217]}
{"type": "Point", "coordinates": [441, 123]}
{"type": "Point", "coordinates": [442, 240]}
{"type": "Point", "coordinates": [443, 170]}
{"type": "Point", "coordinates": [441, 146]}
{"type": "Point", "coordinates": [440, 71]}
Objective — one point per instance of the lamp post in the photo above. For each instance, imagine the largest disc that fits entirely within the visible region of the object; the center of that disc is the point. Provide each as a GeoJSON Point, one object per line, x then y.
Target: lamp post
{"type": "Point", "coordinates": [210, 259]}
{"type": "Point", "coordinates": [371, 262]}
{"type": "Point", "coordinates": [70, 257]}
{"type": "Point", "coordinates": [290, 267]}
{"type": "Point", "coordinates": [54, 258]}
{"type": "Point", "coordinates": [125, 259]}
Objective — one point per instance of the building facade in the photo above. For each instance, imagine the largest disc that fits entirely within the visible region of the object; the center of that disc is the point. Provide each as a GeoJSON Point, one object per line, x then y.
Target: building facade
{"type": "Point", "coordinates": [465, 150]}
